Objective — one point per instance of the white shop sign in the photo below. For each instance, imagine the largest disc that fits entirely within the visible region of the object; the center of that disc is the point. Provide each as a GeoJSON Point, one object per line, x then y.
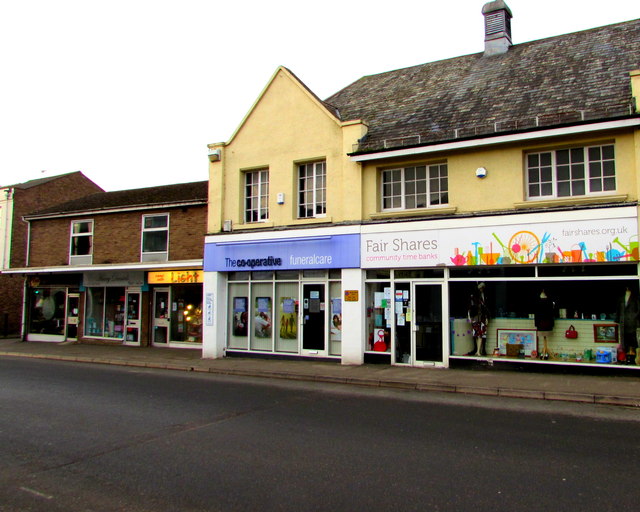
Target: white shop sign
{"type": "Point", "coordinates": [113, 278]}
{"type": "Point", "coordinates": [581, 241]}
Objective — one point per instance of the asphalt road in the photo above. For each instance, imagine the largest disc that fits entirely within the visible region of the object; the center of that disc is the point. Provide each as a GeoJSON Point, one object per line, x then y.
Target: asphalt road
{"type": "Point", "coordinates": [77, 437]}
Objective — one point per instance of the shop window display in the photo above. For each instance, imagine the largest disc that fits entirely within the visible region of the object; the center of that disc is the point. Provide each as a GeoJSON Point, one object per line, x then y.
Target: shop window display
{"type": "Point", "coordinates": [47, 311]}
{"type": "Point", "coordinates": [379, 317]}
{"type": "Point", "coordinates": [562, 321]}
{"type": "Point", "coordinates": [105, 312]}
{"type": "Point", "coordinates": [186, 314]}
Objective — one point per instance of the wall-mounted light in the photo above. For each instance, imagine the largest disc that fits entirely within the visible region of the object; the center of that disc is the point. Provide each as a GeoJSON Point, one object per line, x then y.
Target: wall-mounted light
{"type": "Point", "coordinates": [481, 172]}
{"type": "Point", "coordinates": [214, 155]}
{"type": "Point", "coordinates": [280, 198]}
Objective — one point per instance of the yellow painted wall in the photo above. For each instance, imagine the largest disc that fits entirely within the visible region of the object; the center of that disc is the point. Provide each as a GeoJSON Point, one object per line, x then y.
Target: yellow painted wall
{"type": "Point", "coordinates": [504, 187]}
{"type": "Point", "coordinates": [285, 127]}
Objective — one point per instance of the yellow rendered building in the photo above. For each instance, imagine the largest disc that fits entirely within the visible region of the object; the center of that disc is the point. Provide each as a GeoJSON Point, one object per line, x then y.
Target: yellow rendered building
{"type": "Point", "coordinates": [476, 210]}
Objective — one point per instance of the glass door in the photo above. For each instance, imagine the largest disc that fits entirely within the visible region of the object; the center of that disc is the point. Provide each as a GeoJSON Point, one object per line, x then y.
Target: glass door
{"type": "Point", "coordinates": [161, 316]}
{"type": "Point", "coordinates": [132, 327]}
{"type": "Point", "coordinates": [314, 328]}
{"type": "Point", "coordinates": [427, 323]}
{"type": "Point", "coordinates": [73, 312]}
{"type": "Point", "coordinates": [400, 305]}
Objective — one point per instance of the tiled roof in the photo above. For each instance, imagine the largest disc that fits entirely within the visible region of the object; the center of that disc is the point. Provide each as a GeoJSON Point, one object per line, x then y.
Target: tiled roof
{"type": "Point", "coordinates": [39, 181]}
{"type": "Point", "coordinates": [132, 198]}
{"type": "Point", "coordinates": [556, 81]}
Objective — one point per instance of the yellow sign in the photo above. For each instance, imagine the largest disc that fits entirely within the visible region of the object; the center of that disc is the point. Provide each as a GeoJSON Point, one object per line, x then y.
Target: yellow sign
{"type": "Point", "coordinates": [176, 277]}
{"type": "Point", "coordinates": [351, 295]}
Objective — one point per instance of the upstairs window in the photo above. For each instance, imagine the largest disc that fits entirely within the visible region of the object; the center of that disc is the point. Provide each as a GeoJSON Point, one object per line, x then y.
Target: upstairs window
{"type": "Point", "coordinates": [256, 196]}
{"type": "Point", "coordinates": [155, 237]}
{"type": "Point", "coordinates": [409, 188]}
{"type": "Point", "coordinates": [312, 190]}
{"type": "Point", "coordinates": [81, 246]}
{"type": "Point", "coordinates": [571, 172]}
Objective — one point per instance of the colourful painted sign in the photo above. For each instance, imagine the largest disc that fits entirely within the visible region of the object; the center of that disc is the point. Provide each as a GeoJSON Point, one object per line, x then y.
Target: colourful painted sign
{"type": "Point", "coordinates": [176, 277]}
{"type": "Point", "coordinates": [584, 241]}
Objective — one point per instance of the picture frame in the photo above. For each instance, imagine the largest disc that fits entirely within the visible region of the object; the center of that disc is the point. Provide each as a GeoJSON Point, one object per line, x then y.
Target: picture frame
{"type": "Point", "coordinates": [605, 333]}
{"type": "Point", "coordinates": [526, 337]}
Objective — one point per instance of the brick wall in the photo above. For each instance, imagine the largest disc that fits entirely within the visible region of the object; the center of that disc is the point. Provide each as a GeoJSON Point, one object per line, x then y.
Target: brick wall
{"type": "Point", "coordinates": [28, 200]}
{"type": "Point", "coordinates": [117, 236]}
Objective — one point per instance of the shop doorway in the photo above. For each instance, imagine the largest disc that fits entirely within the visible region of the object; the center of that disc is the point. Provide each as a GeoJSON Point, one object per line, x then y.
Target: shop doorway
{"type": "Point", "coordinates": [73, 312]}
{"type": "Point", "coordinates": [314, 329]}
{"type": "Point", "coordinates": [161, 316]}
{"type": "Point", "coordinates": [417, 311]}
{"type": "Point", "coordinates": [427, 323]}
{"type": "Point", "coordinates": [132, 327]}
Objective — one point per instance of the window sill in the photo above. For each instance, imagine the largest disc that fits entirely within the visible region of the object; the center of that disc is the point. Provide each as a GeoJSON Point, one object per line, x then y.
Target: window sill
{"type": "Point", "coordinates": [423, 212]}
{"type": "Point", "coordinates": [254, 225]}
{"type": "Point", "coordinates": [569, 201]}
{"type": "Point", "coordinates": [312, 220]}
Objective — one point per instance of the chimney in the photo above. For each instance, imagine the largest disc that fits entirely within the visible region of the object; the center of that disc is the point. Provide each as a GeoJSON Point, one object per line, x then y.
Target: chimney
{"type": "Point", "coordinates": [497, 27]}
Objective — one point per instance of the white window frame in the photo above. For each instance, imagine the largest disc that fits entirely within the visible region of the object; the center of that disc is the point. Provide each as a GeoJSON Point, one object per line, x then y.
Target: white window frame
{"type": "Point", "coordinates": [553, 181]}
{"type": "Point", "coordinates": [308, 207]}
{"type": "Point", "coordinates": [154, 255]}
{"type": "Point", "coordinates": [443, 195]}
{"type": "Point", "coordinates": [81, 259]}
{"type": "Point", "coordinates": [256, 205]}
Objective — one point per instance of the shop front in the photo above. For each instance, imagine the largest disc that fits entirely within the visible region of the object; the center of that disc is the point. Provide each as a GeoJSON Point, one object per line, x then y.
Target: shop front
{"type": "Point", "coordinates": [555, 288]}
{"type": "Point", "coordinates": [279, 296]}
{"type": "Point", "coordinates": [113, 306]}
{"type": "Point", "coordinates": [52, 307]}
{"type": "Point", "coordinates": [176, 308]}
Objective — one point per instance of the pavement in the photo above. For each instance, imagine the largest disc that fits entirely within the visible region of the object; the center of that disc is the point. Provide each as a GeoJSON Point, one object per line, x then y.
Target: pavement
{"type": "Point", "coordinates": [512, 381]}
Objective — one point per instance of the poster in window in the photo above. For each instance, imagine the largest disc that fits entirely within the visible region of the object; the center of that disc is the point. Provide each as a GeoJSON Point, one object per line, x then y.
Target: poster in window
{"type": "Point", "coordinates": [336, 319]}
{"type": "Point", "coordinates": [262, 319]}
{"type": "Point", "coordinates": [288, 319]}
{"type": "Point", "coordinates": [240, 316]}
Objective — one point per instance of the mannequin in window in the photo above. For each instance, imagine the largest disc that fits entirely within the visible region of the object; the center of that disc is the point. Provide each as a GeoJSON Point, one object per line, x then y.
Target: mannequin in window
{"type": "Point", "coordinates": [628, 318]}
{"type": "Point", "coordinates": [544, 321]}
{"type": "Point", "coordinates": [478, 316]}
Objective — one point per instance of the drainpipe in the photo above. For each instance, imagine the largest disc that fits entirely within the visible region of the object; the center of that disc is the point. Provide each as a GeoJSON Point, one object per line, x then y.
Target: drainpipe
{"type": "Point", "coordinates": [25, 303]}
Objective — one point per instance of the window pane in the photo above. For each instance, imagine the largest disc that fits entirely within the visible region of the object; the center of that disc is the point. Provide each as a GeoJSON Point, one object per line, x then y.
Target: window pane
{"type": "Point", "coordinates": [595, 169]}
{"type": "Point", "coordinates": [154, 241]}
{"type": "Point", "coordinates": [595, 185]}
{"type": "Point", "coordinates": [81, 245]}
{"type": "Point", "coordinates": [564, 189]}
{"type": "Point", "coordinates": [609, 184]}
{"type": "Point", "coordinates": [577, 171]}
{"type": "Point", "coordinates": [607, 152]}
{"type": "Point", "coordinates": [562, 157]}
{"type": "Point", "coordinates": [82, 227]}
{"type": "Point", "coordinates": [563, 172]}
{"type": "Point", "coordinates": [157, 221]}
{"type": "Point", "coordinates": [609, 168]}
{"type": "Point", "coordinates": [577, 155]}
{"type": "Point", "coordinates": [594, 153]}
{"type": "Point", "coordinates": [94, 314]}
{"type": "Point", "coordinates": [578, 188]}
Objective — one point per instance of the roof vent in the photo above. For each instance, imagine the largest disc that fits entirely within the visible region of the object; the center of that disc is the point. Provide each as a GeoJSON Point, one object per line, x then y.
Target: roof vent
{"type": "Point", "coordinates": [497, 27]}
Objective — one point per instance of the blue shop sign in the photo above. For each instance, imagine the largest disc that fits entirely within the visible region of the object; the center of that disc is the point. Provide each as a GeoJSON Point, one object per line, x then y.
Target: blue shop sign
{"type": "Point", "coordinates": [321, 252]}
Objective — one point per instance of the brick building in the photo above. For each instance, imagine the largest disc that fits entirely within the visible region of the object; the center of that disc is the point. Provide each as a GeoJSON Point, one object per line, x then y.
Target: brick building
{"type": "Point", "coordinates": [118, 267]}
{"type": "Point", "coordinates": [18, 200]}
